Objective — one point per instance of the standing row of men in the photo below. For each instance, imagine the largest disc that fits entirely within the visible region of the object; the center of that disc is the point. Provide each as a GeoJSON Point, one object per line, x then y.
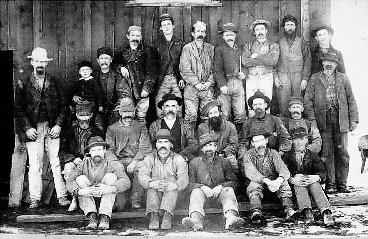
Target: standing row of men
{"type": "Point", "coordinates": [197, 67]}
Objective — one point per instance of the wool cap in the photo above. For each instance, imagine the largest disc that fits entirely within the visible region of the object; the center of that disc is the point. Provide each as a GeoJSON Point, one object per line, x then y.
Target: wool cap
{"type": "Point", "coordinates": [96, 141]}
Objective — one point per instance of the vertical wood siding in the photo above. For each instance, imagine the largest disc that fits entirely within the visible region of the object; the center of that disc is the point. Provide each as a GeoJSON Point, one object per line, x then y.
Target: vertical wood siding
{"type": "Point", "coordinates": [74, 30]}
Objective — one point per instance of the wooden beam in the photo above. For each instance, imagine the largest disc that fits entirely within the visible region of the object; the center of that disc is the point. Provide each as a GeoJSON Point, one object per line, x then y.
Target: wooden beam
{"type": "Point", "coordinates": [360, 197]}
{"type": "Point", "coordinates": [304, 16]}
{"type": "Point", "coordinates": [87, 30]}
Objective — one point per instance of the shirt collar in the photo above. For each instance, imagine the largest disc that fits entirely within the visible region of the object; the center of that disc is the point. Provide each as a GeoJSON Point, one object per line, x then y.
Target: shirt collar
{"type": "Point", "coordinates": [87, 79]}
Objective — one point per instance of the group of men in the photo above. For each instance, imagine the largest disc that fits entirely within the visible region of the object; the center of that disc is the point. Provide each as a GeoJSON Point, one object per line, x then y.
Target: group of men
{"type": "Point", "coordinates": [230, 88]}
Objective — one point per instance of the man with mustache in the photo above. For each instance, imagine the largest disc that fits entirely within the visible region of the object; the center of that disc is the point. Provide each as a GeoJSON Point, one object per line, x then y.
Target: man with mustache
{"type": "Point", "coordinates": [229, 76]}
{"type": "Point", "coordinates": [130, 142]}
{"type": "Point", "coordinates": [163, 174]}
{"type": "Point", "coordinates": [100, 175]}
{"type": "Point", "coordinates": [113, 85]}
{"type": "Point", "coordinates": [138, 63]}
{"type": "Point", "coordinates": [216, 124]}
{"type": "Point", "coordinates": [329, 100]}
{"type": "Point", "coordinates": [39, 111]}
{"type": "Point", "coordinates": [196, 62]}
{"type": "Point", "coordinates": [296, 120]}
{"type": "Point", "coordinates": [323, 35]}
{"type": "Point", "coordinates": [265, 169]}
{"type": "Point", "coordinates": [211, 177]}
{"type": "Point", "coordinates": [169, 48]}
{"type": "Point", "coordinates": [307, 174]}
{"type": "Point", "coordinates": [75, 141]}
{"type": "Point", "coordinates": [184, 142]}
{"type": "Point", "coordinates": [260, 57]}
{"type": "Point", "coordinates": [279, 137]}
{"type": "Point", "coordinates": [293, 66]}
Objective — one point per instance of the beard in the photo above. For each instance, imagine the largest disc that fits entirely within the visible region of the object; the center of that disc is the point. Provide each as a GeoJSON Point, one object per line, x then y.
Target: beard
{"type": "Point", "coordinates": [200, 37]}
{"type": "Point", "coordinates": [215, 123]}
{"type": "Point", "coordinates": [259, 112]}
{"type": "Point", "coordinates": [290, 34]}
{"type": "Point", "coordinates": [97, 159]}
{"type": "Point", "coordinates": [208, 154]}
{"type": "Point", "coordinates": [170, 112]}
{"type": "Point", "coordinates": [296, 115]}
{"type": "Point", "coordinates": [261, 149]}
{"type": "Point", "coordinates": [40, 70]}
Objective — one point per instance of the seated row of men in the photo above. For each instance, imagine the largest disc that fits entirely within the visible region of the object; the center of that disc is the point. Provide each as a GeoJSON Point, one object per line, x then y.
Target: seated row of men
{"type": "Point", "coordinates": [99, 169]}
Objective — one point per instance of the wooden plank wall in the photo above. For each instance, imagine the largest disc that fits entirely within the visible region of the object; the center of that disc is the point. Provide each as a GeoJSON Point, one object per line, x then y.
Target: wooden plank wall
{"type": "Point", "coordinates": [74, 30]}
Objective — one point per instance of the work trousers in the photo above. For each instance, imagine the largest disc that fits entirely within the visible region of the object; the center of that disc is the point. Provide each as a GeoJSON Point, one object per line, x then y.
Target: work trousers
{"type": "Point", "coordinates": [157, 200]}
{"type": "Point", "coordinates": [194, 98]}
{"type": "Point", "coordinates": [36, 150]}
{"type": "Point", "coordinates": [234, 99]}
{"type": "Point", "coordinates": [227, 199]}
{"type": "Point", "coordinates": [142, 108]}
{"type": "Point", "coordinates": [335, 153]}
{"type": "Point", "coordinates": [255, 194]}
{"type": "Point", "coordinates": [291, 87]}
{"type": "Point", "coordinates": [168, 85]}
{"type": "Point", "coordinates": [316, 192]}
{"type": "Point", "coordinates": [88, 204]}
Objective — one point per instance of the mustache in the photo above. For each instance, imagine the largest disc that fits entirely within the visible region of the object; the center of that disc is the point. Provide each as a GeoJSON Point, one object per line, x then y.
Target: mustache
{"type": "Point", "coordinates": [162, 147]}
{"type": "Point", "coordinates": [296, 112]}
{"type": "Point", "coordinates": [260, 34]}
{"type": "Point", "coordinates": [200, 37]}
{"type": "Point", "coordinates": [170, 112]}
{"type": "Point", "coordinates": [229, 40]}
{"type": "Point", "coordinates": [134, 40]}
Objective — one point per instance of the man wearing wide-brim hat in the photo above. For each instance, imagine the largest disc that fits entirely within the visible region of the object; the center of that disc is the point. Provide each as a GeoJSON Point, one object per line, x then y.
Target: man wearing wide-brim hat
{"type": "Point", "coordinates": [266, 170]}
{"type": "Point", "coordinates": [296, 119]}
{"type": "Point", "coordinates": [184, 140]}
{"type": "Point", "coordinates": [329, 100]}
{"type": "Point", "coordinates": [100, 175]}
{"type": "Point", "coordinates": [260, 57]}
{"type": "Point", "coordinates": [130, 142]}
{"type": "Point", "coordinates": [279, 139]}
{"type": "Point", "coordinates": [211, 177]}
{"type": "Point", "coordinates": [39, 111]}
{"type": "Point", "coordinates": [229, 75]}
{"type": "Point", "coordinates": [323, 35]}
{"type": "Point", "coordinates": [163, 174]}
{"type": "Point", "coordinates": [217, 124]}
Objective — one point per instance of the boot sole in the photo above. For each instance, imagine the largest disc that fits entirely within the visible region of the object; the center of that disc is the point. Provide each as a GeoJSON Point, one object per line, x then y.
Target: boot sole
{"type": "Point", "coordinates": [236, 224]}
{"type": "Point", "coordinates": [190, 224]}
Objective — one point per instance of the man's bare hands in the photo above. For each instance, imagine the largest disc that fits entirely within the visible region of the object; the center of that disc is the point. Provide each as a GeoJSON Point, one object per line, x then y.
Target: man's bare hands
{"type": "Point", "coordinates": [32, 133]}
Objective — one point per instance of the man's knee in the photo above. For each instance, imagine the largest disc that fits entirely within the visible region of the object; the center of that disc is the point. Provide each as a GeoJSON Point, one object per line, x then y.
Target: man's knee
{"type": "Point", "coordinates": [83, 181]}
{"type": "Point", "coordinates": [109, 179]}
{"type": "Point", "coordinates": [255, 188]}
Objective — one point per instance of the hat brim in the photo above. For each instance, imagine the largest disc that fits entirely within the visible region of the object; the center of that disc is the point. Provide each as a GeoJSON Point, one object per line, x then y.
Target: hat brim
{"type": "Point", "coordinates": [222, 31]}
{"type": "Point", "coordinates": [254, 24]}
{"type": "Point", "coordinates": [177, 99]}
{"type": "Point", "coordinates": [86, 150]}
{"type": "Point", "coordinates": [84, 117]}
{"type": "Point", "coordinates": [207, 142]}
{"type": "Point", "coordinates": [329, 29]}
{"type": "Point", "coordinates": [328, 59]}
{"type": "Point", "coordinates": [170, 138]}
{"type": "Point", "coordinates": [42, 59]}
{"type": "Point", "coordinates": [298, 136]}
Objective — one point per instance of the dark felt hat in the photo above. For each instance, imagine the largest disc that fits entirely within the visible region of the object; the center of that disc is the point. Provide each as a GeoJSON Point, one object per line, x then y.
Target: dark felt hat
{"type": "Point", "coordinates": [127, 107]}
{"type": "Point", "coordinates": [328, 28]}
{"type": "Point", "coordinates": [169, 96]}
{"type": "Point", "coordinates": [299, 132]}
{"type": "Point", "coordinates": [228, 27]}
{"type": "Point", "coordinates": [164, 134]}
{"type": "Point", "coordinates": [207, 138]}
{"type": "Point", "coordinates": [208, 106]}
{"type": "Point", "coordinates": [166, 16]}
{"type": "Point", "coordinates": [84, 63]}
{"type": "Point", "coordinates": [258, 94]}
{"type": "Point", "coordinates": [104, 50]}
{"type": "Point", "coordinates": [330, 57]}
{"type": "Point", "coordinates": [96, 141]}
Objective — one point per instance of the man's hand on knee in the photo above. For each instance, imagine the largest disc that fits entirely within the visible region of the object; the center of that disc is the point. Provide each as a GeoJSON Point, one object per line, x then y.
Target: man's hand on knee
{"type": "Point", "coordinates": [217, 190]}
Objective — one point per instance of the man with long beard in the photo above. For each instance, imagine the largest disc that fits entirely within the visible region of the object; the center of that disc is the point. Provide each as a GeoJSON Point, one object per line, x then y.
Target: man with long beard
{"type": "Point", "coordinates": [211, 177]}
{"type": "Point", "coordinates": [184, 142]}
{"type": "Point", "coordinates": [99, 176]}
{"type": "Point", "coordinates": [294, 64]}
{"type": "Point", "coordinates": [223, 129]}
{"type": "Point", "coordinates": [279, 137]}
{"type": "Point", "coordinates": [260, 57]}
{"type": "Point", "coordinates": [296, 120]}
{"type": "Point", "coordinates": [265, 169]}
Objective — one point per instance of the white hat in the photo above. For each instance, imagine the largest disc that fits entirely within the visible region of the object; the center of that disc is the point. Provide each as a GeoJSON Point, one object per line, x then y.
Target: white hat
{"type": "Point", "coordinates": [39, 54]}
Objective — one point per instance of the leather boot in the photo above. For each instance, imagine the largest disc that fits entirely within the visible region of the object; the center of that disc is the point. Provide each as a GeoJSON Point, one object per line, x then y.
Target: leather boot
{"type": "Point", "coordinates": [232, 220]}
{"type": "Point", "coordinates": [291, 214]}
{"type": "Point", "coordinates": [308, 216]}
{"type": "Point", "coordinates": [104, 222]}
{"type": "Point", "coordinates": [92, 220]}
{"type": "Point", "coordinates": [239, 129]}
{"type": "Point", "coordinates": [257, 217]}
{"type": "Point", "coordinates": [166, 221]}
{"type": "Point", "coordinates": [195, 221]}
{"type": "Point", "coordinates": [327, 218]}
{"type": "Point", "coordinates": [154, 221]}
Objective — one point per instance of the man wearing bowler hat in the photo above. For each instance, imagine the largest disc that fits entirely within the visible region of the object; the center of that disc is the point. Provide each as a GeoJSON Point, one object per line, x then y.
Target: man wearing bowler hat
{"type": "Point", "coordinates": [229, 75]}
{"type": "Point", "coordinates": [129, 141]}
{"type": "Point", "coordinates": [184, 141]}
{"type": "Point", "coordinates": [138, 63]}
{"type": "Point", "coordinates": [163, 174]}
{"type": "Point", "coordinates": [169, 48]}
{"type": "Point", "coordinates": [113, 86]}
{"type": "Point", "coordinates": [323, 35]}
{"type": "Point", "coordinates": [329, 100]}
{"type": "Point", "coordinates": [279, 138]}
{"type": "Point", "coordinates": [260, 57]}
{"type": "Point", "coordinates": [212, 177]}
{"type": "Point", "coordinates": [39, 111]}
{"type": "Point", "coordinates": [307, 174]}
{"type": "Point", "coordinates": [99, 176]}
